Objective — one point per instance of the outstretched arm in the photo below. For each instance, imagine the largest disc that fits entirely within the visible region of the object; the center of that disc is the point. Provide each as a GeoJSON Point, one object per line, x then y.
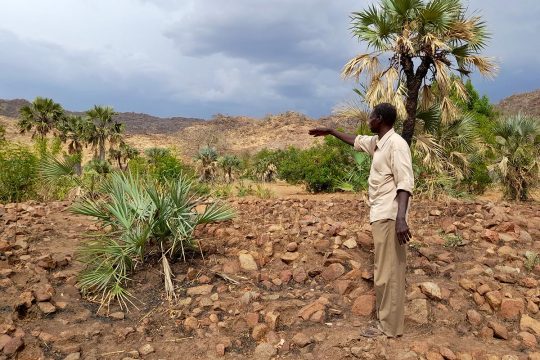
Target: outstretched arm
{"type": "Point", "coordinates": [347, 138]}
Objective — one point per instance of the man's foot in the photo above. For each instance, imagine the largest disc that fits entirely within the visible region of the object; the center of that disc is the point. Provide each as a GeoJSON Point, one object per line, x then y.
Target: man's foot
{"type": "Point", "coordinates": [371, 332]}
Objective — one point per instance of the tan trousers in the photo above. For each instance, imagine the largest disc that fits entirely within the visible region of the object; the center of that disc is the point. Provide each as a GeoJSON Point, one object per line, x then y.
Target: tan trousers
{"type": "Point", "coordinates": [389, 277]}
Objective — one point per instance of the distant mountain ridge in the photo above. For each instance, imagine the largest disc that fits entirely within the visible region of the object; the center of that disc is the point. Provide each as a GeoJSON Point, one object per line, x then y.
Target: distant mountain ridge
{"type": "Point", "coordinates": [527, 103]}
{"type": "Point", "coordinates": [136, 123]}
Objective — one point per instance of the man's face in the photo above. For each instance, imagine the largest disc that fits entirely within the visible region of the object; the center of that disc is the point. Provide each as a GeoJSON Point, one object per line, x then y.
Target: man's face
{"type": "Point", "coordinates": [374, 122]}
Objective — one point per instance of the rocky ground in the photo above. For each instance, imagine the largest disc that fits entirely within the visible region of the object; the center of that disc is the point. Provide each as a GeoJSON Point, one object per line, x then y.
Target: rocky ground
{"type": "Point", "coordinates": [289, 278]}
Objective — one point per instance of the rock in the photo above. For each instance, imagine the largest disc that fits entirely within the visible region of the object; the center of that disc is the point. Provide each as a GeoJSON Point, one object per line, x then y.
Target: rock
{"type": "Point", "coordinates": [432, 290]}
{"type": "Point", "coordinates": [499, 330]}
{"type": "Point", "coordinates": [364, 240]}
{"type": "Point", "coordinates": [511, 308]}
{"type": "Point", "coordinates": [259, 331]}
{"type": "Point", "coordinates": [289, 257]}
{"type": "Point", "coordinates": [350, 243]}
{"type": "Point", "coordinates": [5, 273]}
{"type": "Point", "coordinates": [118, 315]}
{"type": "Point", "coordinates": [447, 353]}
{"type": "Point", "coordinates": [146, 349]}
{"type": "Point", "coordinates": [46, 307]}
{"type": "Point", "coordinates": [313, 311]}
{"type": "Point", "coordinates": [73, 356]}
{"type": "Point", "coordinates": [191, 323]}
{"type": "Point", "coordinates": [417, 311]}
{"type": "Point", "coordinates": [474, 317]}
{"type": "Point", "coordinates": [247, 262]}
{"type": "Point", "coordinates": [264, 351]}
{"type": "Point", "coordinates": [292, 246]}
{"type": "Point", "coordinates": [483, 289]}
{"type": "Point", "coordinates": [528, 340]}
{"type": "Point", "coordinates": [220, 349]}
{"type": "Point", "coordinates": [44, 292]}
{"type": "Point", "coordinates": [528, 323]}
{"type": "Point", "coordinates": [431, 355]}
{"type": "Point", "coordinates": [231, 267]}
{"type": "Point", "coordinates": [299, 275]}
{"type": "Point", "coordinates": [506, 252]}
{"type": "Point", "coordinates": [341, 286]}
{"type": "Point", "coordinates": [272, 318]}
{"type": "Point", "coordinates": [301, 340]}
{"type": "Point", "coordinates": [534, 356]}
{"type": "Point", "coordinates": [532, 307]}
{"type": "Point", "coordinates": [24, 302]}
{"type": "Point", "coordinates": [494, 299]}
{"type": "Point", "coordinates": [252, 319]}
{"type": "Point", "coordinates": [364, 305]}
{"type": "Point", "coordinates": [333, 271]}
{"type": "Point", "coordinates": [200, 290]}
{"type": "Point", "coordinates": [4, 339]}
{"type": "Point", "coordinates": [490, 235]}
{"type": "Point", "coordinates": [13, 345]}
{"type": "Point", "coordinates": [467, 284]}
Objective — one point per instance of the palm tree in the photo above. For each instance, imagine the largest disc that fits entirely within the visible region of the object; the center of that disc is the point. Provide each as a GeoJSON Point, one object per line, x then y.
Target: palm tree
{"type": "Point", "coordinates": [228, 163]}
{"type": "Point", "coordinates": [123, 154]}
{"type": "Point", "coordinates": [104, 129]}
{"type": "Point", "coordinates": [207, 158]}
{"type": "Point", "coordinates": [41, 115]}
{"type": "Point", "coordinates": [2, 133]}
{"type": "Point", "coordinates": [517, 148]}
{"type": "Point", "coordinates": [75, 130]}
{"type": "Point", "coordinates": [427, 42]}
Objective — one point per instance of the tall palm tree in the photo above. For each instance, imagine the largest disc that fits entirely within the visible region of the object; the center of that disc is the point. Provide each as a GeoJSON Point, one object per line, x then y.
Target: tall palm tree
{"type": "Point", "coordinates": [104, 128]}
{"type": "Point", "coordinates": [427, 42]}
{"type": "Point", "coordinates": [75, 131]}
{"type": "Point", "coordinates": [517, 148]}
{"type": "Point", "coordinates": [229, 163]}
{"type": "Point", "coordinates": [41, 116]}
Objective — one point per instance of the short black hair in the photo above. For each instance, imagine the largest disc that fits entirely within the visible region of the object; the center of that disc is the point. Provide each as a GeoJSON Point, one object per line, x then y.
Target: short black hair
{"type": "Point", "coordinates": [387, 112]}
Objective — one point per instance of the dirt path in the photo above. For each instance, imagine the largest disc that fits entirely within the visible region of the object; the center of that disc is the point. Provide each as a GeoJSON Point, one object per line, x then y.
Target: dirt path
{"type": "Point", "coordinates": [289, 278]}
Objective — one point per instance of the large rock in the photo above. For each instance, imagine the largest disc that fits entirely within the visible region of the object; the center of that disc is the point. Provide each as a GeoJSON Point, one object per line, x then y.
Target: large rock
{"type": "Point", "coordinates": [511, 308]}
{"type": "Point", "coordinates": [200, 290]}
{"type": "Point", "coordinates": [364, 305]}
{"type": "Point", "coordinates": [333, 271]}
{"type": "Point", "coordinates": [499, 330]}
{"type": "Point", "coordinates": [264, 351]}
{"type": "Point", "coordinates": [417, 311]}
{"type": "Point", "coordinates": [528, 323]}
{"type": "Point", "coordinates": [247, 262]}
{"type": "Point", "coordinates": [314, 310]}
{"type": "Point", "coordinates": [432, 290]}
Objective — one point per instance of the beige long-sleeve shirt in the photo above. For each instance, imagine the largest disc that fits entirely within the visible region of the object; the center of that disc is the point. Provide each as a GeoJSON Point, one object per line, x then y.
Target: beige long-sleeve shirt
{"type": "Point", "coordinates": [391, 170]}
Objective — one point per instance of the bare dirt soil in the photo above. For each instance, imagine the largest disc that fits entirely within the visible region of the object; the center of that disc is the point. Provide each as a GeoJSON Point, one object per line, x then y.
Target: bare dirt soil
{"type": "Point", "coordinates": [288, 278]}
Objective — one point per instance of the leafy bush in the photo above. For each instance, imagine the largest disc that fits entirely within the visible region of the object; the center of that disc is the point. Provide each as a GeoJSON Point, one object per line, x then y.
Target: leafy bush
{"type": "Point", "coordinates": [141, 214]}
{"type": "Point", "coordinates": [2, 134]}
{"type": "Point", "coordinates": [18, 173]}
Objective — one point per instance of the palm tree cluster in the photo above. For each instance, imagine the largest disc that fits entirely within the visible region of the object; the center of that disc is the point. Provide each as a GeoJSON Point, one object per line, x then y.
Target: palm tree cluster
{"type": "Point", "coordinates": [96, 128]}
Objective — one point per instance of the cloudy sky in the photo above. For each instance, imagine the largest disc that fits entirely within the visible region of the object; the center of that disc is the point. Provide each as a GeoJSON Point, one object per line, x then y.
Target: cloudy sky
{"type": "Point", "coordinates": [201, 57]}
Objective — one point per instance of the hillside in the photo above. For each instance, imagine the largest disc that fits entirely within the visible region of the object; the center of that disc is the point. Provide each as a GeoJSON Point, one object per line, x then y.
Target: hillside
{"type": "Point", "coordinates": [527, 103]}
{"type": "Point", "coordinates": [231, 134]}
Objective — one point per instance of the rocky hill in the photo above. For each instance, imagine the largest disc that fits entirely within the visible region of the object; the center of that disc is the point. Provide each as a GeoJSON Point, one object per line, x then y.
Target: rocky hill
{"type": "Point", "coordinates": [527, 103]}
{"type": "Point", "coordinates": [232, 134]}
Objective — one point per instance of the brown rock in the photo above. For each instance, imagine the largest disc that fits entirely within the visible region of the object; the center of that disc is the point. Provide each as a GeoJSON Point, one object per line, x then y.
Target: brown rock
{"type": "Point", "coordinates": [511, 308]}
{"type": "Point", "coordinates": [285, 276]}
{"type": "Point", "coordinates": [231, 267]}
{"type": "Point", "coordinates": [247, 262]}
{"type": "Point", "coordinates": [259, 331]}
{"type": "Point", "coordinates": [474, 317]}
{"type": "Point", "coordinates": [447, 353]}
{"type": "Point", "coordinates": [264, 351]}
{"type": "Point", "coordinates": [146, 349]}
{"type": "Point", "coordinates": [44, 292]}
{"type": "Point", "coordinates": [200, 290]}
{"type": "Point", "coordinates": [341, 286]}
{"type": "Point", "coordinates": [494, 299]}
{"type": "Point", "coordinates": [333, 271]}
{"type": "Point", "coordinates": [252, 319]}
{"type": "Point", "coordinates": [483, 289]}
{"type": "Point", "coordinates": [272, 318]}
{"type": "Point", "coordinates": [220, 350]}
{"type": "Point", "coordinates": [364, 305]}
{"type": "Point", "coordinates": [191, 323]}
{"type": "Point", "coordinates": [432, 290]}
{"type": "Point", "coordinates": [431, 355]}
{"type": "Point", "coordinates": [534, 356]}
{"type": "Point", "coordinates": [292, 246]}
{"type": "Point", "coordinates": [528, 323]}
{"type": "Point", "coordinates": [13, 346]}
{"type": "Point", "coordinates": [364, 240]}
{"type": "Point", "coordinates": [532, 307]}
{"type": "Point", "coordinates": [309, 310]}
{"type": "Point", "coordinates": [301, 340]}
{"type": "Point", "coordinates": [299, 275]}
{"type": "Point", "coordinates": [417, 311]}
{"type": "Point", "coordinates": [4, 339]}
{"type": "Point", "coordinates": [46, 307]}
{"type": "Point", "coordinates": [289, 257]}
{"type": "Point", "coordinates": [118, 315]}
{"type": "Point", "coordinates": [499, 330]}
{"type": "Point", "coordinates": [490, 235]}
{"type": "Point", "coordinates": [467, 284]}
{"type": "Point", "coordinates": [528, 340]}
{"type": "Point", "coordinates": [24, 302]}
{"type": "Point", "coordinates": [486, 332]}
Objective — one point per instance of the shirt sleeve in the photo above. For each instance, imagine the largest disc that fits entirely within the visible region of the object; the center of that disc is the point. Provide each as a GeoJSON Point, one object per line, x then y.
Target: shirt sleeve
{"type": "Point", "coordinates": [402, 168]}
{"type": "Point", "coordinates": [364, 143]}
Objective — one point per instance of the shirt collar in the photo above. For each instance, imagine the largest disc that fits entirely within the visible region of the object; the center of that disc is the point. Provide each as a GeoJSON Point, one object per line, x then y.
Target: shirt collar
{"type": "Point", "coordinates": [382, 141]}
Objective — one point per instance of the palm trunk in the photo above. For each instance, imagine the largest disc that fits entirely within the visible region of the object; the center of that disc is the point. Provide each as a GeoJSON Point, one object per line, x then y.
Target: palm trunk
{"type": "Point", "coordinates": [78, 168]}
{"type": "Point", "coordinates": [102, 150]}
{"type": "Point", "coordinates": [408, 125]}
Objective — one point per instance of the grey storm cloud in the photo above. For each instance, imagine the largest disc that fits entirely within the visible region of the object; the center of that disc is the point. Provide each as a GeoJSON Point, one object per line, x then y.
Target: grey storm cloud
{"type": "Point", "coordinates": [201, 57]}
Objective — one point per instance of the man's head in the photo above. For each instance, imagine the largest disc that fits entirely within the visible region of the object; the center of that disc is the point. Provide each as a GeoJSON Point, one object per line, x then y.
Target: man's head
{"type": "Point", "coordinates": [383, 115]}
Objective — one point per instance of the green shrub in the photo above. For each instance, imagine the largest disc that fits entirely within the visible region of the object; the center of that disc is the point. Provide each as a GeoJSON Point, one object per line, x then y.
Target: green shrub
{"type": "Point", "coordinates": [143, 217]}
{"type": "Point", "coordinates": [18, 173]}
{"type": "Point", "coordinates": [2, 134]}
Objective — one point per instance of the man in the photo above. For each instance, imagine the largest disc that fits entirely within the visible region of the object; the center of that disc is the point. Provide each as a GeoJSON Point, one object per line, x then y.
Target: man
{"type": "Point", "coordinates": [390, 186]}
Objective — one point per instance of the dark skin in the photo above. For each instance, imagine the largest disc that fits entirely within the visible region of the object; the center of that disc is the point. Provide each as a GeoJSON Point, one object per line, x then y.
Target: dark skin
{"type": "Point", "coordinates": [379, 127]}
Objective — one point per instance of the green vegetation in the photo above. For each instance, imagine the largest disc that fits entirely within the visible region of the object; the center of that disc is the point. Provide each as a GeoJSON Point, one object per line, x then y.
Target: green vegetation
{"type": "Point", "coordinates": [141, 215]}
{"type": "Point", "coordinates": [18, 173]}
{"type": "Point", "coordinates": [452, 240]}
{"type": "Point", "coordinates": [531, 260]}
{"type": "Point", "coordinates": [429, 41]}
